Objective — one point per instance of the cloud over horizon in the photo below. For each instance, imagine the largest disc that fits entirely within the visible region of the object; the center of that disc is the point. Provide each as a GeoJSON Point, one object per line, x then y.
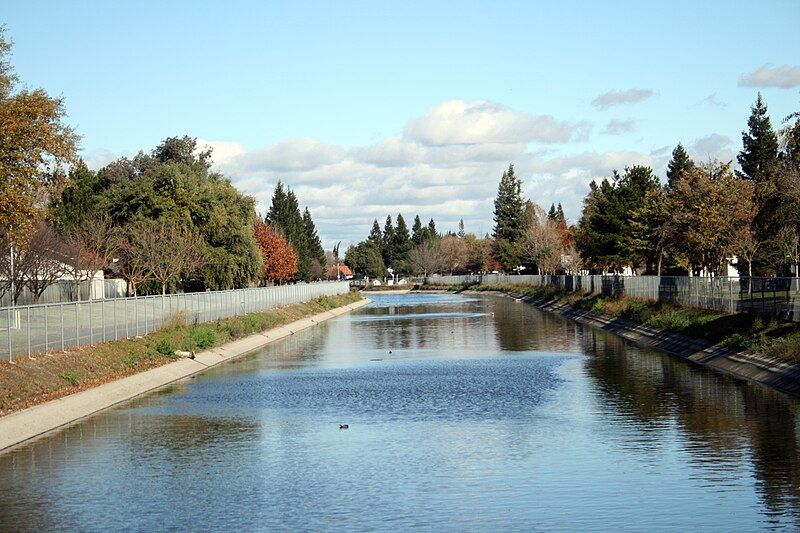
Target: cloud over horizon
{"type": "Point", "coordinates": [783, 77]}
{"type": "Point", "coordinates": [616, 98]}
{"type": "Point", "coordinates": [445, 164]}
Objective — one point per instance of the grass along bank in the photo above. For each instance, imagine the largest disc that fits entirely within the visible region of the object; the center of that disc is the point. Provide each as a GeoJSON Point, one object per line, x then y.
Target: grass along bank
{"type": "Point", "coordinates": [31, 381]}
{"type": "Point", "coordinates": [741, 331]}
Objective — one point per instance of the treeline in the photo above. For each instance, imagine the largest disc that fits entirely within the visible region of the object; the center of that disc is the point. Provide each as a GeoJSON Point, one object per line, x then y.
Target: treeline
{"type": "Point", "coordinates": [162, 220]}
{"type": "Point", "coordinates": [705, 214]}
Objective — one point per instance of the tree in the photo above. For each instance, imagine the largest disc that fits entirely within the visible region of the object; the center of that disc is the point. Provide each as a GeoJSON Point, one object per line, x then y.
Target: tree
{"type": "Point", "coordinates": [401, 245]}
{"type": "Point", "coordinates": [375, 238]}
{"type": "Point", "coordinates": [98, 240]}
{"type": "Point", "coordinates": [312, 238]}
{"type": "Point", "coordinates": [541, 242]}
{"type": "Point", "coordinates": [365, 258]}
{"type": "Point", "coordinates": [759, 146]}
{"type": "Point", "coordinates": [461, 233]}
{"type": "Point", "coordinates": [709, 206]}
{"type": "Point", "coordinates": [278, 256]}
{"type": "Point", "coordinates": [431, 230]}
{"type": "Point", "coordinates": [170, 251]}
{"type": "Point", "coordinates": [745, 245]}
{"type": "Point", "coordinates": [453, 253]}
{"type": "Point", "coordinates": [509, 213]}
{"type": "Point", "coordinates": [34, 146]}
{"type": "Point", "coordinates": [39, 262]}
{"type": "Point", "coordinates": [387, 242]}
{"type": "Point", "coordinates": [759, 162]}
{"type": "Point", "coordinates": [427, 257]}
{"type": "Point", "coordinates": [172, 184]}
{"type": "Point", "coordinates": [678, 165]}
{"type": "Point", "coordinates": [603, 236]}
{"type": "Point", "coordinates": [132, 258]}
{"type": "Point", "coordinates": [788, 240]}
{"type": "Point", "coordinates": [417, 231]}
{"type": "Point", "coordinates": [651, 230]}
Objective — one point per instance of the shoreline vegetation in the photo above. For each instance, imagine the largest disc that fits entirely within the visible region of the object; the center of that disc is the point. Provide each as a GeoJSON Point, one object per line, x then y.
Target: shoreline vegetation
{"type": "Point", "coordinates": [35, 380]}
{"type": "Point", "coordinates": [739, 332]}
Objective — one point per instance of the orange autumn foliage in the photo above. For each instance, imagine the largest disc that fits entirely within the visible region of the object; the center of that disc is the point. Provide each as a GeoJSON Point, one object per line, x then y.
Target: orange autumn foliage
{"type": "Point", "coordinates": [280, 259]}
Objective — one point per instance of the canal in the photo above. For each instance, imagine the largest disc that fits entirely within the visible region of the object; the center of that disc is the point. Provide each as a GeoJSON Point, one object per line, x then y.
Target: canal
{"type": "Point", "coordinates": [465, 412]}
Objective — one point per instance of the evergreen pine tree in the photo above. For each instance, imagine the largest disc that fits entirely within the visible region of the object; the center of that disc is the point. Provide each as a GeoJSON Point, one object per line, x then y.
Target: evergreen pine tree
{"type": "Point", "coordinates": [509, 218]}
{"type": "Point", "coordinates": [284, 212]}
{"type": "Point", "coordinates": [296, 233]}
{"type": "Point", "coordinates": [277, 210]}
{"type": "Point", "coordinates": [560, 213]}
{"type": "Point", "coordinates": [461, 232]}
{"type": "Point", "coordinates": [312, 238]}
{"type": "Point", "coordinates": [760, 146]}
{"type": "Point", "coordinates": [551, 214]}
{"type": "Point", "coordinates": [387, 251]}
{"type": "Point", "coordinates": [509, 207]}
{"type": "Point", "coordinates": [432, 233]}
{"type": "Point", "coordinates": [417, 232]}
{"type": "Point", "coordinates": [402, 245]}
{"type": "Point", "coordinates": [680, 163]}
{"type": "Point", "coordinates": [375, 238]}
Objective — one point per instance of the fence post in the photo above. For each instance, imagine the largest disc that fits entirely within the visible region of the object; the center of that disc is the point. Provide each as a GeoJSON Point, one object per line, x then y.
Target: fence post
{"type": "Point", "coordinates": [62, 327]}
{"type": "Point", "coordinates": [29, 329]}
{"type": "Point", "coordinates": [8, 330]}
{"type": "Point", "coordinates": [46, 348]}
{"type": "Point", "coordinates": [103, 316]}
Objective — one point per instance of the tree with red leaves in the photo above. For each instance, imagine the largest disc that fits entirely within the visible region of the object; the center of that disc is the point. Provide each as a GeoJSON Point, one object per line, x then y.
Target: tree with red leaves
{"type": "Point", "coordinates": [280, 259]}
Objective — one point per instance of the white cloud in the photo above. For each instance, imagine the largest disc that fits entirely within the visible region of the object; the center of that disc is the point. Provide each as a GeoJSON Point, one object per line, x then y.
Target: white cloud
{"type": "Point", "coordinates": [445, 171]}
{"type": "Point", "coordinates": [783, 77]}
{"type": "Point", "coordinates": [712, 147]}
{"type": "Point", "coordinates": [459, 122]}
{"type": "Point", "coordinates": [615, 98]}
{"type": "Point", "coordinates": [619, 127]}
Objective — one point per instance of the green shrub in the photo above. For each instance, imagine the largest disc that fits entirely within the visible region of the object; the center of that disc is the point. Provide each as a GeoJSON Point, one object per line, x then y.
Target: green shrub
{"type": "Point", "coordinates": [165, 347]}
{"type": "Point", "coordinates": [599, 307]}
{"type": "Point", "coordinates": [251, 324]}
{"type": "Point", "coordinates": [71, 378]}
{"type": "Point", "coordinates": [201, 337]}
{"type": "Point", "coordinates": [737, 341]}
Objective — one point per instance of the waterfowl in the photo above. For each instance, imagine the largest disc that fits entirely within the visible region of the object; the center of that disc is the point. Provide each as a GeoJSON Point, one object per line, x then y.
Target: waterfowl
{"type": "Point", "coordinates": [343, 426]}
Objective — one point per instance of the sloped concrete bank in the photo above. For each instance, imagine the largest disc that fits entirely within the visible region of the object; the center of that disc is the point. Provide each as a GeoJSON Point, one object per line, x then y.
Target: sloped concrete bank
{"type": "Point", "coordinates": [767, 371]}
{"type": "Point", "coordinates": [21, 426]}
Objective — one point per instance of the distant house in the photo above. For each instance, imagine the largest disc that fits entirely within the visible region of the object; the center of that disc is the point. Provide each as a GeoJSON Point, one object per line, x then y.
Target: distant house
{"type": "Point", "coordinates": [341, 271]}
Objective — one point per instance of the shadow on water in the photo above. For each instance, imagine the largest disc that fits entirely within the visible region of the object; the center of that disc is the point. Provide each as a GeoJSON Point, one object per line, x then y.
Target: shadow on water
{"type": "Point", "coordinates": [724, 420]}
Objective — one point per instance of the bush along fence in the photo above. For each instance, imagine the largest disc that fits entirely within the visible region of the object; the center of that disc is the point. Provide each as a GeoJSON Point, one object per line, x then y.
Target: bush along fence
{"type": "Point", "coordinates": [31, 329]}
{"type": "Point", "coordinates": [774, 297]}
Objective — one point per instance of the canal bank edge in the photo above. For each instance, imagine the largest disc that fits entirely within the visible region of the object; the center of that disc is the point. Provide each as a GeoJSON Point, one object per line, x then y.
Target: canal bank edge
{"type": "Point", "coordinates": [767, 371]}
{"type": "Point", "coordinates": [21, 426]}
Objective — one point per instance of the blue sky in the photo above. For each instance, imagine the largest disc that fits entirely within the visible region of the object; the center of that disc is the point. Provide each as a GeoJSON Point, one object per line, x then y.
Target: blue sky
{"type": "Point", "coordinates": [369, 108]}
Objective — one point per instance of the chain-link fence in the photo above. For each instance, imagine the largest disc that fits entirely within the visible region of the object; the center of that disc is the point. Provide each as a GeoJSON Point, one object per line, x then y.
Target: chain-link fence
{"type": "Point", "coordinates": [777, 297]}
{"type": "Point", "coordinates": [30, 329]}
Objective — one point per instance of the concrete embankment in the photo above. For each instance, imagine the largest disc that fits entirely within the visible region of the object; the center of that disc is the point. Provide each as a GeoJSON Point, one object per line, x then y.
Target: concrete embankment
{"type": "Point", "coordinates": [768, 371]}
{"type": "Point", "coordinates": [38, 420]}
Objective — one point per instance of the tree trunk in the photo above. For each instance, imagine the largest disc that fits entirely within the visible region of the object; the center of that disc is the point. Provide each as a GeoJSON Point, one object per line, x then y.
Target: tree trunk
{"type": "Point", "coordinates": [660, 261]}
{"type": "Point", "coordinates": [163, 289]}
{"type": "Point", "coordinates": [750, 274]}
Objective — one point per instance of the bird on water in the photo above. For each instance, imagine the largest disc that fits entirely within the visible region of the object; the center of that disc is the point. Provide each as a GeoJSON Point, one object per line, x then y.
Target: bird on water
{"type": "Point", "coordinates": [343, 426]}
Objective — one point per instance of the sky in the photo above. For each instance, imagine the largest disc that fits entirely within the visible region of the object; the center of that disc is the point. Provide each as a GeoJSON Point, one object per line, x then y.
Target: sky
{"type": "Point", "coordinates": [372, 108]}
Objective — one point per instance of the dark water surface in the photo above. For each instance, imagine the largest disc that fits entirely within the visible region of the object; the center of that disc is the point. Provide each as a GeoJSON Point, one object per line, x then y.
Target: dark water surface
{"type": "Point", "coordinates": [487, 415]}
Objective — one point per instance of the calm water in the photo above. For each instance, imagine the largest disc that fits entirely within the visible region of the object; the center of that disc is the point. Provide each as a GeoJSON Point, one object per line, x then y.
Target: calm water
{"type": "Point", "coordinates": [487, 415]}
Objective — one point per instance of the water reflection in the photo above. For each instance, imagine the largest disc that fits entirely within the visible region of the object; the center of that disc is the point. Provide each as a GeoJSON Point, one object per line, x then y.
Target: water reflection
{"type": "Point", "coordinates": [466, 412]}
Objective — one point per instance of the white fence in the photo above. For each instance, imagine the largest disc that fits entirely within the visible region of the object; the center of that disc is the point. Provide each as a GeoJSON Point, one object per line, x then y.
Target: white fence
{"type": "Point", "coordinates": [778, 297]}
{"type": "Point", "coordinates": [30, 329]}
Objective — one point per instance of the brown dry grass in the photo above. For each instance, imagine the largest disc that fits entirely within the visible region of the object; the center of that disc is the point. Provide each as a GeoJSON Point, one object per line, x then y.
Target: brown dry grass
{"type": "Point", "coordinates": [35, 380]}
